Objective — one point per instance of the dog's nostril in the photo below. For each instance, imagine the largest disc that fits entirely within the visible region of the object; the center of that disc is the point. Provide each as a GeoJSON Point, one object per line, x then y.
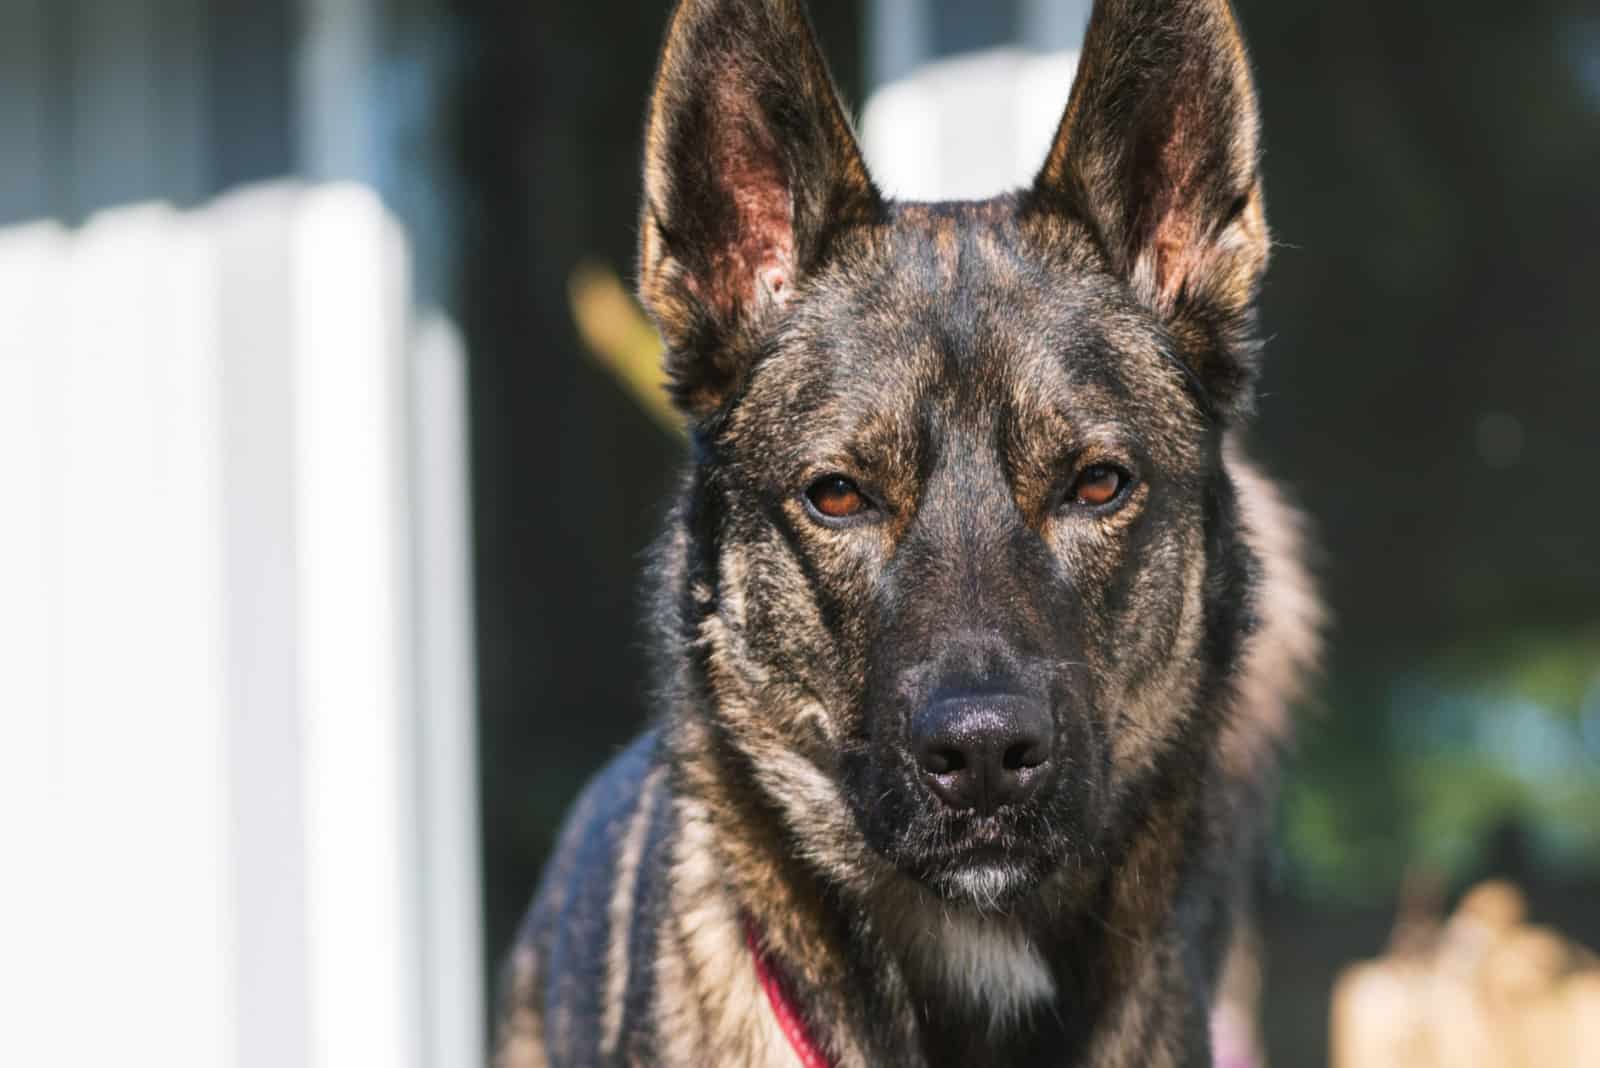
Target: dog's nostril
{"type": "Point", "coordinates": [943, 761]}
{"type": "Point", "coordinates": [1022, 756]}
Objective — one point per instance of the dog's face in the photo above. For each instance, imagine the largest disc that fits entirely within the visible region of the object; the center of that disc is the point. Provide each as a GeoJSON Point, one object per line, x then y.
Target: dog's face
{"type": "Point", "coordinates": [967, 559]}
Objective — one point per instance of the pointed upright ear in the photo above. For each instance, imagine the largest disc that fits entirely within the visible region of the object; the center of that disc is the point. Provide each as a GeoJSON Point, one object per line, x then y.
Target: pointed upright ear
{"type": "Point", "coordinates": [750, 171]}
{"type": "Point", "coordinates": [1160, 149]}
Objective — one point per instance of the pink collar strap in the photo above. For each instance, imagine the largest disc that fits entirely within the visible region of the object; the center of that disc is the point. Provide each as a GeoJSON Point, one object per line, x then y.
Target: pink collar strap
{"type": "Point", "coordinates": [789, 1019]}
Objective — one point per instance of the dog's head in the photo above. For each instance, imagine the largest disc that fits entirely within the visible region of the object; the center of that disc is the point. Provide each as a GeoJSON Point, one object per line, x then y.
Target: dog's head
{"type": "Point", "coordinates": [965, 568]}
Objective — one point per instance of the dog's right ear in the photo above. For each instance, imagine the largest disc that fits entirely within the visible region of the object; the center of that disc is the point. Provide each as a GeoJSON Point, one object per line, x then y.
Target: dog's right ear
{"type": "Point", "coordinates": [750, 170]}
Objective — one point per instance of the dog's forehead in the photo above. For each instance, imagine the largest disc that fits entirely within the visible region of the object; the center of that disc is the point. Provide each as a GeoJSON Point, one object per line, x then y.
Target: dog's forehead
{"type": "Point", "coordinates": [966, 306]}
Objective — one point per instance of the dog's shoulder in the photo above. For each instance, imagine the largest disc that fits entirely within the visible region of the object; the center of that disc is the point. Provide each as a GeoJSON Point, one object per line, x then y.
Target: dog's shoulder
{"type": "Point", "coordinates": [581, 963]}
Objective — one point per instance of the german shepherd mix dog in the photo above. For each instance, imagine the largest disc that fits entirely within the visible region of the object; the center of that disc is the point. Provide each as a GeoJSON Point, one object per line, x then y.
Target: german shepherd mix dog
{"type": "Point", "coordinates": [978, 633]}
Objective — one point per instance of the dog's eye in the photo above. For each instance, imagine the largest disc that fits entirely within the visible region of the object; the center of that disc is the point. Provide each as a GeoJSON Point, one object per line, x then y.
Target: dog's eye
{"type": "Point", "coordinates": [836, 497]}
{"type": "Point", "coordinates": [1098, 485]}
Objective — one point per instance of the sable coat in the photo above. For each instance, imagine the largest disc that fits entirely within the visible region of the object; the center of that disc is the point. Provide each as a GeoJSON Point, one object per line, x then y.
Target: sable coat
{"type": "Point", "coordinates": [977, 633]}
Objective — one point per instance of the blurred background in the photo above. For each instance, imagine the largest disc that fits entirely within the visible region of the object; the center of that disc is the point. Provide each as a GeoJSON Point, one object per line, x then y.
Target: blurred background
{"type": "Point", "coordinates": [329, 450]}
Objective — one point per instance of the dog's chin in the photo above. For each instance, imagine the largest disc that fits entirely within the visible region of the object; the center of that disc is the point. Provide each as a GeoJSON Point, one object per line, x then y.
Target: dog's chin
{"type": "Point", "coordinates": [987, 882]}
{"type": "Point", "coordinates": [987, 887]}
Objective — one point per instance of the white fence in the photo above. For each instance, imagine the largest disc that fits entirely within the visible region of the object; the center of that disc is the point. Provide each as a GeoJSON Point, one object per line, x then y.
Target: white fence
{"type": "Point", "coordinates": [237, 787]}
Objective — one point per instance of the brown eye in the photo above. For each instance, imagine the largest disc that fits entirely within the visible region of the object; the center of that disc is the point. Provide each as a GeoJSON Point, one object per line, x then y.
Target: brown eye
{"type": "Point", "coordinates": [836, 497]}
{"type": "Point", "coordinates": [1098, 485]}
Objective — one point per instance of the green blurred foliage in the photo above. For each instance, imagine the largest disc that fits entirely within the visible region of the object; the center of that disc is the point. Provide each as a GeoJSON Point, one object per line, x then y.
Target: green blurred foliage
{"type": "Point", "coordinates": [1418, 771]}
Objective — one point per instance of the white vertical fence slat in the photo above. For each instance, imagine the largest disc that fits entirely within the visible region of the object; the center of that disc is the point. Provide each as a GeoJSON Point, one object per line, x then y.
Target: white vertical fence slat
{"type": "Point", "coordinates": [348, 292]}
{"type": "Point", "coordinates": [33, 970]}
{"type": "Point", "coordinates": [112, 731]}
{"type": "Point", "coordinates": [452, 961]}
{"type": "Point", "coordinates": [267, 814]}
{"type": "Point", "coordinates": [236, 750]}
{"type": "Point", "coordinates": [140, 734]}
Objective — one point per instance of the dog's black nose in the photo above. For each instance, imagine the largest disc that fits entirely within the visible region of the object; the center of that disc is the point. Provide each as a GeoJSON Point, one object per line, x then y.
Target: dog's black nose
{"type": "Point", "coordinates": [982, 751]}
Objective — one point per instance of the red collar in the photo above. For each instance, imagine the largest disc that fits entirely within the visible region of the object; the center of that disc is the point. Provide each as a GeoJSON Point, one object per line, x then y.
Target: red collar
{"type": "Point", "coordinates": [789, 1019]}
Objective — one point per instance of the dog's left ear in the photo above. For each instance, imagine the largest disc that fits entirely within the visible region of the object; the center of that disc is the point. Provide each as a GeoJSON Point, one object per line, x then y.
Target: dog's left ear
{"type": "Point", "coordinates": [750, 171]}
{"type": "Point", "coordinates": [1160, 151]}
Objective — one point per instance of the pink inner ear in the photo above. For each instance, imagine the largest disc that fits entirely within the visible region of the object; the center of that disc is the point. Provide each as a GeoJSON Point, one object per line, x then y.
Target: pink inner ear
{"type": "Point", "coordinates": [762, 257]}
{"type": "Point", "coordinates": [1174, 187]}
{"type": "Point", "coordinates": [757, 263]}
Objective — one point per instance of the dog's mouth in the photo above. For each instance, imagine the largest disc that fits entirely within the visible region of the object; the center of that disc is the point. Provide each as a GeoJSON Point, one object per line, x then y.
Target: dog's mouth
{"type": "Point", "coordinates": [988, 860]}
{"type": "Point", "coordinates": [988, 864]}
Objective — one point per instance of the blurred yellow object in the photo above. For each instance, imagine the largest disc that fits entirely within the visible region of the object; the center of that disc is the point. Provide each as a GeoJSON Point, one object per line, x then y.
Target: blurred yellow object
{"type": "Point", "coordinates": [1483, 990]}
{"type": "Point", "coordinates": [619, 336]}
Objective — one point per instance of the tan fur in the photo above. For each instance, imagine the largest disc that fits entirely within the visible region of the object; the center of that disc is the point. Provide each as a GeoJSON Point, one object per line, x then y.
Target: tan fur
{"type": "Point", "coordinates": [1137, 1035]}
{"type": "Point", "coordinates": [712, 1007]}
{"type": "Point", "coordinates": [629, 854]}
{"type": "Point", "coordinates": [521, 1040]}
{"type": "Point", "coordinates": [1285, 652]}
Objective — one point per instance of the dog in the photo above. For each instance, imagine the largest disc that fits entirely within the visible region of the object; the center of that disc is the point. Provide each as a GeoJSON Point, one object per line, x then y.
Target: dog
{"type": "Point", "coordinates": [978, 634]}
